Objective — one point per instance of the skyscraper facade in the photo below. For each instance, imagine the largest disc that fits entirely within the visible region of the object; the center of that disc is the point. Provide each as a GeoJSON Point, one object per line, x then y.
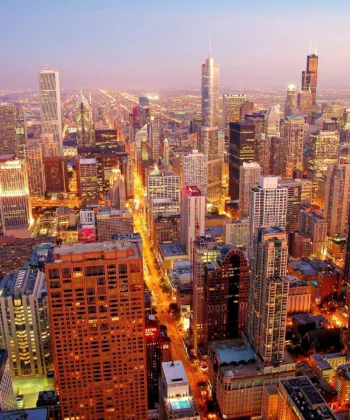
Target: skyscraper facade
{"type": "Point", "coordinates": [291, 108]}
{"type": "Point", "coordinates": [8, 138]}
{"type": "Point", "coordinates": [87, 180]}
{"type": "Point", "coordinates": [249, 177]}
{"type": "Point", "coordinates": [96, 300]}
{"type": "Point", "coordinates": [36, 176]}
{"type": "Point", "coordinates": [242, 149]}
{"type": "Point", "coordinates": [83, 115]}
{"type": "Point", "coordinates": [309, 77]}
{"type": "Point", "coordinates": [232, 105]}
{"type": "Point", "coordinates": [144, 110]}
{"type": "Point", "coordinates": [272, 121]}
{"type": "Point", "coordinates": [50, 108]}
{"type": "Point", "coordinates": [210, 93]}
{"type": "Point", "coordinates": [195, 170]}
{"type": "Point", "coordinates": [294, 135]}
{"type": "Point", "coordinates": [154, 129]}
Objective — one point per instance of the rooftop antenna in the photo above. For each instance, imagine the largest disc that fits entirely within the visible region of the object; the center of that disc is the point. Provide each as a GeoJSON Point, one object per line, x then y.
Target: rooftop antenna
{"type": "Point", "coordinates": [310, 47]}
{"type": "Point", "coordinates": [209, 45]}
{"type": "Point", "coordinates": [315, 47]}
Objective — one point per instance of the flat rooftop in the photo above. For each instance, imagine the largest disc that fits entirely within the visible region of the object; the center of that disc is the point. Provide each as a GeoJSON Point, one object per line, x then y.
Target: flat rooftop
{"type": "Point", "coordinates": [173, 249]}
{"type": "Point", "coordinates": [174, 372]}
{"type": "Point", "coordinates": [29, 414]}
{"type": "Point", "coordinates": [22, 281]}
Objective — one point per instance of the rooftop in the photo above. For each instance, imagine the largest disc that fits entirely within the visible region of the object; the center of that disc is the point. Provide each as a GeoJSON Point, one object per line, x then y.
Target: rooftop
{"type": "Point", "coordinates": [172, 249]}
{"type": "Point", "coordinates": [29, 414]}
{"type": "Point", "coordinates": [21, 281]}
{"type": "Point", "coordinates": [174, 372]}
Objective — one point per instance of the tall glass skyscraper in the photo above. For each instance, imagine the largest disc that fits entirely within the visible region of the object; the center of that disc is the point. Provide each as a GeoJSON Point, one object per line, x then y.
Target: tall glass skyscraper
{"type": "Point", "coordinates": [210, 93]}
{"type": "Point", "coordinates": [50, 108]}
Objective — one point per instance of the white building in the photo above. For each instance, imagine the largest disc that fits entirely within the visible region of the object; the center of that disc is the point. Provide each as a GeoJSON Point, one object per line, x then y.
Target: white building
{"type": "Point", "coordinates": [50, 108]}
{"type": "Point", "coordinates": [192, 216]}
{"type": "Point", "coordinates": [249, 176]}
{"type": "Point", "coordinates": [163, 185]}
{"type": "Point", "coordinates": [195, 170]}
{"type": "Point", "coordinates": [24, 322]}
{"type": "Point", "coordinates": [87, 217]}
{"type": "Point", "coordinates": [154, 129]}
{"type": "Point", "coordinates": [176, 400]}
{"type": "Point", "coordinates": [272, 121]}
{"type": "Point", "coordinates": [236, 232]}
{"type": "Point", "coordinates": [7, 396]}
{"type": "Point", "coordinates": [210, 93]}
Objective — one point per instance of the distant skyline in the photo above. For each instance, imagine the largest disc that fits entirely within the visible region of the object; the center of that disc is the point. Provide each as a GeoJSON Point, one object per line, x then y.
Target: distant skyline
{"type": "Point", "coordinates": [155, 43]}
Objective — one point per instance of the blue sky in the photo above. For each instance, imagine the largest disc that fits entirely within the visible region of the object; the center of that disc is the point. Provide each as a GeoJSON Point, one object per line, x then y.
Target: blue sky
{"type": "Point", "coordinates": [162, 43]}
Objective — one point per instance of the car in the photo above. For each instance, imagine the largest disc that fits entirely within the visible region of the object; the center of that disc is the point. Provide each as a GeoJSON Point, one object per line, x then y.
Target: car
{"type": "Point", "coordinates": [20, 401]}
{"type": "Point", "coordinates": [50, 374]}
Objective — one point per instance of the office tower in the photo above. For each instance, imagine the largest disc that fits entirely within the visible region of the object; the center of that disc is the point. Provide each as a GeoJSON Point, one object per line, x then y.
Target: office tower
{"type": "Point", "coordinates": [309, 78]}
{"type": "Point", "coordinates": [210, 93]}
{"type": "Point", "coordinates": [176, 400]}
{"type": "Point", "coordinates": [236, 232]}
{"type": "Point", "coordinates": [87, 181]}
{"type": "Point", "coordinates": [232, 105]}
{"type": "Point", "coordinates": [144, 110]}
{"type": "Point", "coordinates": [294, 135]}
{"type": "Point", "coordinates": [225, 295]}
{"type": "Point", "coordinates": [205, 250]}
{"type": "Point", "coordinates": [87, 217]}
{"type": "Point", "coordinates": [249, 177]}
{"type": "Point", "coordinates": [158, 350]}
{"type": "Point", "coordinates": [50, 109]}
{"type": "Point", "coordinates": [242, 149]}
{"type": "Point", "coordinates": [299, 245]}
{"type": "Point", "coordinates": [163, 185]}
{"type": "Point", "coordinates": [268, 296]}
{"type": "Point", "coordinates": [21, 131]}
{"type": "Point", "coordinates": [195, 122]}
{"type": "Point", "coordinates": [83, 116]}
{"type": "Point", "coordinates": [15, 208]}
{"type": "Point", "coordinates": [195, 170]}
{"type": "Point", "coordinates": [140, 139]}
{"type": "Point", "coordinates": [7, 395]}
{"type": "Point", "coordinates": [315, 226]}
{"type": "Point", "coordinates": [324, 151]}
{"type": "Point", "coordinates": [166, 150]}
{"type": "Point", "coordinates": [347, 284]}
{"type": "Point", "coordinates": [298, 399]}
{"type": "Point", "coordinates": [263, 154]}
{"type": "Point", "coordinates": [305, 104]}
{"type": "Point", "coordinates": [96, 301]}
{"type": "Point", "coordinates": [154, 131]}
{"type": "Point", "coordinates": [55, 168]}
{"type": "Point", "coordinates": [337, 198]}
{"type": "Point", "coordinates": [26, 334]}
{"type": "Point", "coordinates": [278, 156]}
{"type": "Point", "coordinates": [116, 196]}
{"type": "Point", "coordinates": [192, 216]}
{"type": "Point", "coordinates": [110, 222]}
{"type": "Point", "coordinates": [268, 207]}
{"type": "Point", "coordinates": [246, 108]}
{"type": "Point", "coordinates": [291, 108]}
{"type": "Point", "coordinates": [212, 145]}
{"type": "Point", "coordinates": [294, 187]}
{"type": "Point", "coordinates": [105, 138]}
{"type": "Point", "coordinates": [8, 138]}
{"type": "Point", "coordinates": [165, 228]}
{"type": "Point", "coordinates": [272, 121]}
{"type": "Point", "coordinates": [36, 177]}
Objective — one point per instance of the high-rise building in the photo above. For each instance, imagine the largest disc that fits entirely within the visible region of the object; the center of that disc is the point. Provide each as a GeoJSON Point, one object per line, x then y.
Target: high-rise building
{"type": "Point", "coordinates": [212, 145]}
{"type": "Point", "coordinates": [166, 152]}
{"type": "Point", "coordinates": [50, 108]}
{"type": "Point", "coordinates": [272, 121]}
{"type": "Point", "coordinates": [294, 135]}
{"type": "Point", "coordinates": [83, 115]}
{"type": "Point", "coordinates": [205, 250]}
{"type": "Point", "coordinates": [87, 181]}
{"type": "Point", "coordinates": [315, 226]}
{"type": "Point", "coordinates": [263, 154]}
{"type": "Point", "coordinates": [236, 232]}
{"type": "Point", "coordinates": [278, 156]}
{"type": "Point", "coordinates": [8, 138]}
{"type": "Point", "coordinates": [347, 284]}
{"type": "Point", "coordinates": [21, 131]}
{"type": "Point", "coordinates": [294, 187]}
{"type": "Point", "coordinates": [154, 131]}
{"type": "Point", "coordinates": [337, 198]}
{"type": "Point", "coordinates": [15, 208]}
{"type": "Point", "coordinates": [162, 184]}
{"type": "Point", "coordinates": [55, 168]}
{"type": "Point", "coordinates": [195, 170]}
{"type": "Point", "coordinates": [192, 216]}
{"type": "Point", "coordinates": [324, 151]}
{"type": "Point", "coordinates": [309, 78]}
{"type": "Point", "coordinates": [144, 110]}
{"type": "Point", "coordinates": [249, 177]}
{"type": "Point", "coordinates": [305, 104]}
{"type": "Point", "coordinates": [242, 149]}
{"type": "Point", "coordinates": [291, 102]}
{"type": "Point", "coordinates": [110, 222]}
{"type": "Point", "coordinates": [25, 333]}
{"type": "Point", "coordinates": [268, 296]}
{"type": "Point", "coordinates": [116, 196]}
{"type": "Point", "coordinates": [232, 105]}
{"type": "Point", "coordinates": [7, 395]}
{"type": "Point", "coordinates": [158, 350]}
{"type": "Point", "coordinates": [96, 300]}
{"type": "Point", "coordinates": [210, 93]}
{"type": "Point", "coordinates": [35, 166]}
{"type": "Point", "coordinates": [268, 207]}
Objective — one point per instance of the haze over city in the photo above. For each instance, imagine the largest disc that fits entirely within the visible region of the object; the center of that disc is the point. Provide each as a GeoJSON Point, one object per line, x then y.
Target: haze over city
{"type": "Point", "coordinates": [121, 44]}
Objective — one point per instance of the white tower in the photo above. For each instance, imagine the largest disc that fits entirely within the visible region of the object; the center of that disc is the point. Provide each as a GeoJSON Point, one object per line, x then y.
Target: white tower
{"type": "Point", "coordinates": [210, 93]}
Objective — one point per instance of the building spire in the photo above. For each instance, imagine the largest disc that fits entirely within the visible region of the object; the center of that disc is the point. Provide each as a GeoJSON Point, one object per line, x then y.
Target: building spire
{"type": "Point", "coordinates": [209, 45]}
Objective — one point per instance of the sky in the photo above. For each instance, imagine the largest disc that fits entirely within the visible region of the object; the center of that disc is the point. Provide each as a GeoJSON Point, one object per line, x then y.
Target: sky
{"type": "Point", "coordinates": [162, 43]}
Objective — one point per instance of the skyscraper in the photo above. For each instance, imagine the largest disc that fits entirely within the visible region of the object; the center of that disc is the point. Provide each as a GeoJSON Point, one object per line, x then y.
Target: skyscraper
{"type": "Point", "coordinates": [96, 300]}
{"type": "Point", "coordinates": [87, 181]}
{"type": "Point", "coordinates": [144, 111]}
{"type": "Point", "coordinates": [249, 177]}
{"type": "Point", "coordinates": [192, 216]}
{"type": "Point", "coordinates": [210, 93]}
{"type": "Point", "coordinates": [294, 187]}
{"type": "Point", "coordinates": [294, 134]}
{"type": "Point", "coordinates": [337, 198]}
{"type": "Point", "coordinates": [8, 138]}
{"type": "Point", "coordinates": [195, 170]}
{"type": "Point", "coordinates": [154, 129]}
{"type": "Point", "coordinates": [242, 149]}
{"type": "Point", "coordinates": [232, 105]}
{"type": "Point", "coordinates": [26, 334]}
{"type": "Point", "coordinates": [15, 208]}
{"type": "Point", "coordinates": [50, 108]}
{"type": "Point", "coordinates": [83, 115]}
{"type": "Point", "coordinates": [309, 78]}
{"type": "Point", "coordinates": [272, 121]}
{"type": "Point", "coordinates": [36, 175]}
{"type": "Point", "coordinates": [291, 102]}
